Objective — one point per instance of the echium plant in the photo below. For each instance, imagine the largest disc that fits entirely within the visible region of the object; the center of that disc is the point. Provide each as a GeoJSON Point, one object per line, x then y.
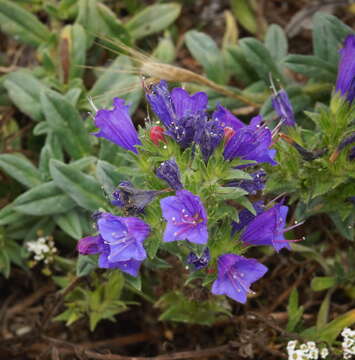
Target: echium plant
{"type": "Point", "coordinates": [199, 169]}
{"type": "Point", "coordinates": [317, 163]}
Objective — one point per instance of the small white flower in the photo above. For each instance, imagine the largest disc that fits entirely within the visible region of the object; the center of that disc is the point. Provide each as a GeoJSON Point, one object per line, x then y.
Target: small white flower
{"type": "Point", "coordinates": [303, 347]}
{"type": "Point", "coordinates": [313, 354]}
{"type": "Point", "coordinates": [297, 355]}
{"type": "Point", "coordinates": [324, 353]}
{"type": "Point", "coordinates": [311, 345]}
{"type": "Point", "coordinates": [291, 345]}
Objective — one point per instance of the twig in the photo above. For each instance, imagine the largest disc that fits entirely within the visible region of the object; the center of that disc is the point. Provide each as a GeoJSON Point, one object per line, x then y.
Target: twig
{"type": "Point", "coordinates": [60, 300]}
{"type": "Point", "coordinates": [274, 326]}
{"type": "Point", "coordinates": [287, 292]}
{"type": "Point", "coordinates": [64, 346]}
{"type": "Point", "coordinates": [30, 300]}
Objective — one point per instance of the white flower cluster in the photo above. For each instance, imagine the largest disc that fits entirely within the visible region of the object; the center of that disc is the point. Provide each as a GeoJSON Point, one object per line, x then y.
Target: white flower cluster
{"type": "Point", "coordinates": [307, 351]}
{"type": "Point", "coordinates": [43, 249]}
{"type": "Point", "coordinates": [348, 343]}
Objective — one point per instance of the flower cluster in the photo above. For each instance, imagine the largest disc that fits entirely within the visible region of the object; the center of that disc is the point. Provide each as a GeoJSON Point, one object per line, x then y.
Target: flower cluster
{"type": "Point", "coordinates": [216, 136]}
{"type": "Point", "coordinates": [348, 343]}
{"type": "Point", "coordinates": [307, 351]}
{"type": "Point", "coordinates": [43, 249]}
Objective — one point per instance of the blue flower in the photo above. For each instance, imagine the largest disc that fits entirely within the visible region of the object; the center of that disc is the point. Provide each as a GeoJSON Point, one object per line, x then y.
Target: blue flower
{"type": "Point", "coordinates": [283, 107]}
{"type": "Point", "coordinates": [251, 142]}
{"type": "Point", "coordinates": [96, 245]}
{"type": "Point", "coordinates": [227, 119]}
{"type": "Point", "coordinates": [346, 70]}
{"type": "Point", "coordinates": [169, 172]}
{"type": "Point", "coordinates": [235, 275]}
{"type": "Point", "coordinates": [179, 112]}
{"type": "Point", "coordinates": [268, 228]}
{"type": "Point", "coordinates": [116, 126]}
{"type": "Point", "coordinates": [179, 104]}
{"type": "Point", "coordinates": [124, 237]}
{"type": "Point", "coordinates": [208, 136]}
{"type": "Point", "coordinates": [245, 217]}
{"type": "Point", "coordinates": [199, 262]}
{"type": "Point", "coordinates": [186, 218]}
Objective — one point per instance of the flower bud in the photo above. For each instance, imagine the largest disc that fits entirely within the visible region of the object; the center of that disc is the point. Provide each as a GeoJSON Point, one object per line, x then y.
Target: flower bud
{"type": "Point", "coordinates": [88, 245]}
{"type": "Point", "coordinates": [156, 134]}
{"type": "Point", "coordinates": [228, 133]}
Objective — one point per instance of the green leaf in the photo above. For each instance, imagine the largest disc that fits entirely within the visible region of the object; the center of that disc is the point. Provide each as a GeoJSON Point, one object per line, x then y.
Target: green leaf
{"type": "Point", "coordinates": [276, 42]}
{"type": "Point", "coordinates": [205, 51]}
{"type": "Point", "coordinates": [82, 188]}
{"type": "Point", "coordinates": [5, 263]}
{"type": "Point", "coordinates": [328, 34]}
{"type": "Point", "coordinates": [70, 223]}
{"type": "Point", "coordinates": [108, 176]}
{"type": "Point", "coordinates": [165, 50]}
{"type": "Point", "coordinates": [114, 80]}
{"type": "Point", "coordinates": [331, 331]}
{"type": "Point", "coordinates": [21, 24]}
{"type": "Point", "coordinates": [294, 311]}
{"type": "Point", "coordinates": [45, 225]}
{"type": "Point", "coordinates": [85, 265]}
{"type": "Point", "coordinates": [323, 313]}
{"type": "Point", "coordinates": [245, 15]}
{"type": "Point", "coordinates": [230, 192]}
{"type": "Point", "coordinates": [239, 66]}
{"type": "Point", "coordinates": [24, 91]}
{"type": "Point", "coordinates": [20, 169]}
{"type": "Point", "coordinates": [320, 283]}
{"type": "Point", "coordinates": [312, 67]}
{"type": "Point", "coordinates": [153, 19]}
{"type": "Point", "coordinates": [8, 215]}
{"type": "Point", "coordinates": [237, 174]}
{"type": "Point", "coordinates": [260, 58]}
{"type": "Point", "coordinates": [99, 21]}
{"type": "Point", "coordinates": [135, 282]}
{"type": "Point", "coordinates": [44, 199]}
{"type": "Point", "coordinates": [66, 122]}
{"type": "Point", "coordinates": [112, 26]}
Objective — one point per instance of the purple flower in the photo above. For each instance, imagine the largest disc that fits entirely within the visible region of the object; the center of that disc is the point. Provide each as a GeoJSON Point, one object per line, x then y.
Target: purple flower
{"type": "Point", "coordinates": [124, 237]}
{"type": "Point", "coordinates": [251, 186]}
{"type": "Point", "coordinates": [169, 172]}
{"type": "Point", "coordinates": [96, 245]}
{"type": "Point", "coordinates": [186, 218]}
{"type": "Point", "coordinates": [132, 200]}
{"type": "Point", "coordinates": [251, 142]}
{"type": "Point", "coordinates": [208, 136]}
{"type": "Point", "coordinates": [245, 217]}
{"type": "Point", "coordinates": [199, 262]}
{"type": "Point", "coordinates": [116, 126]}
{"type": "Point", "coordinates": [227, 119]}
{"type": "Point", "coordinates": [179, 112]}
{"type": "Point", "coordinates": [268, 228]}
{"type": "Point", "coordinates": [283, 107]}
{"type": "Point", "coordinates": [179, 104]}
{"type": "Point", "coordinates": [235, 275]}
{"type": "Point", "coordinates": [346, 70]}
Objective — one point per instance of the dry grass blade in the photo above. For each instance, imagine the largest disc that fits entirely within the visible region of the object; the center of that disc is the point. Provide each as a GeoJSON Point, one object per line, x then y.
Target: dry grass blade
{"type": "Point", "coordinates": [151, 67]}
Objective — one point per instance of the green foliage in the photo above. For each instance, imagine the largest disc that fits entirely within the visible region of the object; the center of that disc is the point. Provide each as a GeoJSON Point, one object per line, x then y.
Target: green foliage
{"type": "Point", "coordinates": [102, 302]}
{"type": "Point", "coordinates": [177, 307]}
{"type": "Point", "coordinates": [20, 23]}
{"type": "Point", "coordinates": [145, 22]}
